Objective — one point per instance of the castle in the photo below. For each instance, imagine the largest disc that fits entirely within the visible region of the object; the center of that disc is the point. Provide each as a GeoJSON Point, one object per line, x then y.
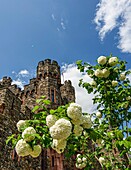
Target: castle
{"type": "Point", "coordinates": [16, 104]}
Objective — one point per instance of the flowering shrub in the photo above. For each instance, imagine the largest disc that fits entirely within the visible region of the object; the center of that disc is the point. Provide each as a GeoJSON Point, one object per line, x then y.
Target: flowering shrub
{"type": "Point", "coordinates": [96, 140]}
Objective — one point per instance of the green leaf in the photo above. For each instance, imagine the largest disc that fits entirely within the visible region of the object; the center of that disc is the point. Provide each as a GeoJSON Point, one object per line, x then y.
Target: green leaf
{"type": "Point", "coordinates": [35, 108]}
{"type": "Point", "coordinates": [10, 138]}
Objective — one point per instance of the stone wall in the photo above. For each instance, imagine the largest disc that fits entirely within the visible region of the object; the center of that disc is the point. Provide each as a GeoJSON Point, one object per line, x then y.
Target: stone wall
{"type": "Point", "coordinates": [16, 104]}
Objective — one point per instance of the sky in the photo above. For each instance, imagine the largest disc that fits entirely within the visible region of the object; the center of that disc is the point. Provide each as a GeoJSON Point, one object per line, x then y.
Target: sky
{"type": "Point", "coordinates": [65, 31]}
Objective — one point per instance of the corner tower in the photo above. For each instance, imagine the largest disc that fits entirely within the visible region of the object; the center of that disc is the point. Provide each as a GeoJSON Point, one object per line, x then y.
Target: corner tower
{"type": "Point", "coordinates": [49, 81]}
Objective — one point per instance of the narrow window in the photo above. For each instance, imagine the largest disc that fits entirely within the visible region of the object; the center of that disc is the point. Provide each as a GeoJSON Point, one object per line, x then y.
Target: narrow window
{"type": "Point", "coordinates": [53, 161]}
{"type": "Point", "coordinates": [52, 95]}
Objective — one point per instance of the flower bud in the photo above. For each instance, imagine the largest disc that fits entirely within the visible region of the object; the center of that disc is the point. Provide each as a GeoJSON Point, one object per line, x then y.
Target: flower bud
{"type": "Point", "coordinates": [114, 83]}
{"type": "Point", "coordinates": [102, 60]}
{"type": "Point", "coordinates": [113, 61]}
{"type": "Point", "coordinates": [105, 73]}
{"type": "Point", "coordinates": [98, 114]}
{"type": "Point", "coordinates": [122, 76]}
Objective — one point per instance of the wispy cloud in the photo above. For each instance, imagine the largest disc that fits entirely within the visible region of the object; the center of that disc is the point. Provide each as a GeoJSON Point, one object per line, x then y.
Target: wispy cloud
{"type": "Point", "coordinates": [24, 73]}
{"type": "Point", "coordinates": [60, 22]}
{"type": "Point", "coordinates": [70, 72]}
{"type": "Point", "coordinates": [53, 17]}
{"type": "Point", "coordinates": [111, 14]}
{"type": "Point", "coordinates": [63, 25]}
{"type": "Point", "coordinates": [22, 77]}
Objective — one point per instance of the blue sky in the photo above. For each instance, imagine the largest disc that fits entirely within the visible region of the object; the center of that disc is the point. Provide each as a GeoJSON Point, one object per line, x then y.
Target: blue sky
{"type": "Point", "coordinates": [66, 31]}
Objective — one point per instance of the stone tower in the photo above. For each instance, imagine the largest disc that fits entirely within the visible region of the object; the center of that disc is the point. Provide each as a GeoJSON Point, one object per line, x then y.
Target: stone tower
{"type": "Point", "coordinates": [16, 104]}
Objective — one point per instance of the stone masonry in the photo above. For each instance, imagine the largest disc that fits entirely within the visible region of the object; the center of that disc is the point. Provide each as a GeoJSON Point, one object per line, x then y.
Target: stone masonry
{"type": "Point", "coordinates": [16, 104]}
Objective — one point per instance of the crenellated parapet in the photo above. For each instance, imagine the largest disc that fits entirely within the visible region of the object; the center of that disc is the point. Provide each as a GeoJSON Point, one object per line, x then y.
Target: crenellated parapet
{"type": "Point", "coordinates": [5, 82]}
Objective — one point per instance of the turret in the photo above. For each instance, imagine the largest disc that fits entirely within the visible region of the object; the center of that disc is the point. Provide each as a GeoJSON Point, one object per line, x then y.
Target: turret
{"type": "Point", "coordinates": [49, 81]}
{"type": "Point", "coordinates": [67, 92]}
{"type": "Point", "coordinates": [6, 82]}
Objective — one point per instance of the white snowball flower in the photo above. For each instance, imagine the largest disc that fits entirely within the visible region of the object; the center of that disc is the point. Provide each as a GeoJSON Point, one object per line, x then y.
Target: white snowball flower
{"type": "Point", "coordinates": [113, 61]}
{"type": "Point", "coordinates": [101, 160]}
{"type": "Point", "coordinates": [84, 159]}
{"type": "Point", "coordinates": [79, 166]}
{"type": "Point", "coordinates": [122, 76]}
{"type": "Point", "coordinates": [59, 145]}
{"type": "Point", "coordinates": [128, 98]}
{"type": "Point", "coordinates": [78, 130]}
{"type": "Point", "coordinates": [93, 83]}
{"type": "Point", "coordinates": [79, 160]}
{"type": "Point", "coordinates": [50, 120]}
{"type": "Point", "coordinates": [74, 111]}
{"type": "Point", "coordinates": [22, 148]}
{"type": "Point", "coordinates": [78, 155]}
{"type": "Point", "coordinates": [36, 151]}
{"type": "Point", "coordinates": [87, 121]}
{"type": "Point", "coordinates": [27, 134]}
{"type": "Point", "coordinates": [85, 133]}
{"type": "Point", "coordinates": [20, 124]}
{"type": "Point", "coordinates": [102, 60]}
{"type": "Point", "coordinates": [83, 164]}
{"type": "Point", "coordinates": [61, 129]}
{"type": "Point", "coordinates": [98, 73]}
{"type": "Point", "coordinates": [98, 114]}
{"type": "Point", "coordinates": [114, 83]}
{"type": "Point", "coordinates": [78, 121]}
{"type": "Point", "coordinates": [105, 73]}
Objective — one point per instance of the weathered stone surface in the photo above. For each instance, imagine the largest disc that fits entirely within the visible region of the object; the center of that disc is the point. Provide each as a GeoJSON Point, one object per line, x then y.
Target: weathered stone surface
{"type": "Point", "coordinates": [16, 105]}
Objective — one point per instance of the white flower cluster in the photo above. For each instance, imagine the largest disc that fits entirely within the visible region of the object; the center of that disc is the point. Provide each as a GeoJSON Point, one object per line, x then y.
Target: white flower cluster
{"type": "Point", "coordinates": [28, 133]}
{"type": "Point", "coordinates": [114, 83]}
{"type": "Point", "coordinates": [50, 120]}
{"type": "Point", "coordinates": [102, 60]}
{"type": "Point", "coordinates": [93, 83]}
{"type": "Point", "coordinates": [105, 72]}
{"type": "Point", "coordinates": [113, 61]}
{"type": "Point", "coordinates": [81, 161]}
{"type": "Point", "coordinates": [98, 114]}
{"type": "Point", "coordinates": [102, 73]}
{"type": "Point", "coordinates": [122, 76]}
{"type": "Point", "coordinates": [102, 160]}
{"type": "Point", "coordinates": [36, 151]}
{"type": "Point", "coordinates": [21, 124]}
{"type": "Point", "coordinates": [60, 131]}
{"type": "Point", "coordinates": [78, 130]}
{"type": "Point", "coordinates": [59, 145]}
{"type": "Point", "coordinates": [74, 111]}
{"type": "Point", "coordinates": [24, 149]}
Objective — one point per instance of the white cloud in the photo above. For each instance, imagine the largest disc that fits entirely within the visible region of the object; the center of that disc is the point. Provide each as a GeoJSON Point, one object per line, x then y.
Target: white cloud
{"type": "Point", "coordinates": [19, 83]}
{"type": "Point", "coordinates": [115, 13]}
{"type": "Point", "coordinates": [70, 72]}
{"type": "Point", "coordinates": [23, 73]}
{"type": "Point", "coordinates": [53, 17]}
{"type": "Point", "coordinates": [63, 25]}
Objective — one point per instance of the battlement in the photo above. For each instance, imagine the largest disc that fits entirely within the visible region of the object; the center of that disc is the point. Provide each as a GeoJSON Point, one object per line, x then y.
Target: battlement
{"type": "Point", "coordinates": [47, 61]}
{"type": "Point", "coordinates": [6, 81]}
